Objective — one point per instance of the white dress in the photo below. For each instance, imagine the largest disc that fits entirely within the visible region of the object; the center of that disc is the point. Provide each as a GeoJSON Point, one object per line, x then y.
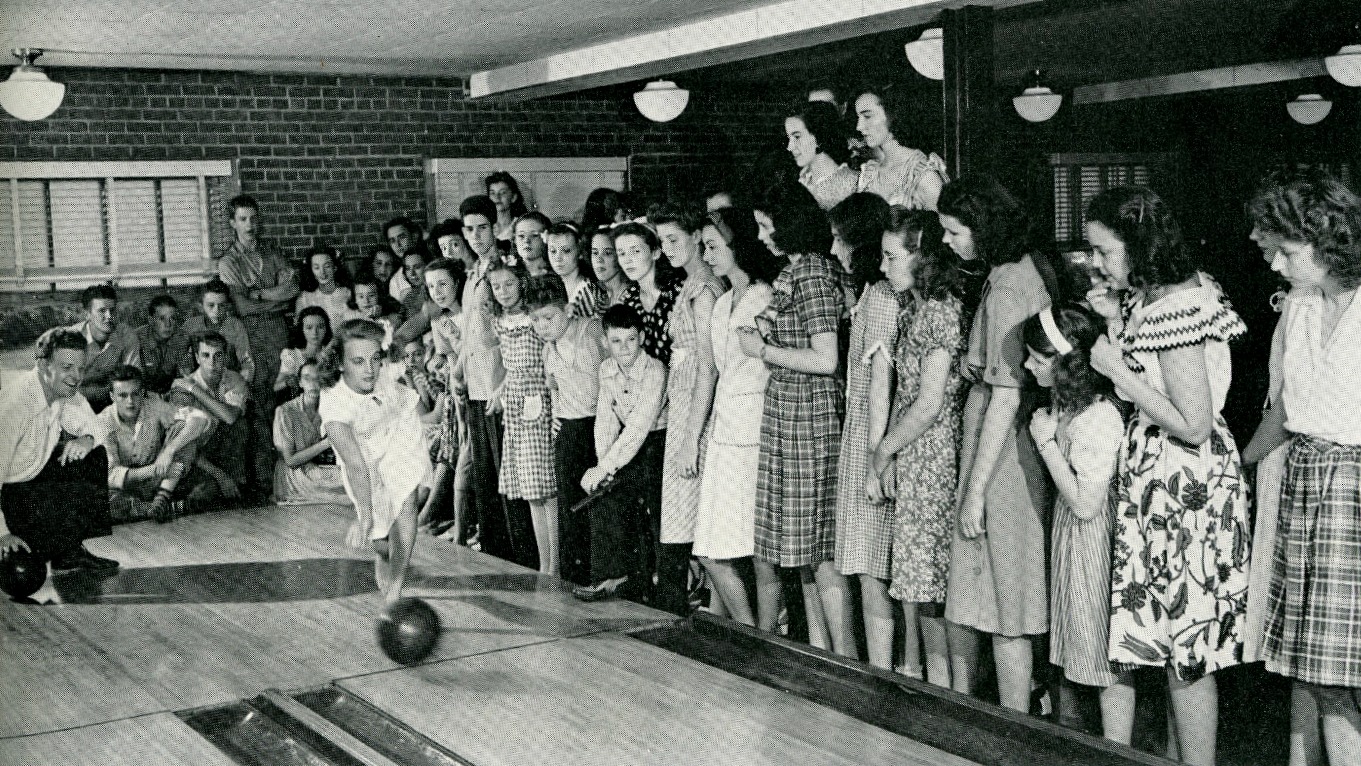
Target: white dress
{"type": "Point", "coordinates": [726, 522]}
{"type": "Point", "coordinates": [391, 437]}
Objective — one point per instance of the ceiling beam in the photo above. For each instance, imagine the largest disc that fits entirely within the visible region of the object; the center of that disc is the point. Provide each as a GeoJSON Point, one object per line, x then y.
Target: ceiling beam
{"type": "Point", "coordinates": [775, 28]}
{"type": "Point", "coordinates": [1203, 80]}
{"type": "Point", "coordinates": [53, 57]}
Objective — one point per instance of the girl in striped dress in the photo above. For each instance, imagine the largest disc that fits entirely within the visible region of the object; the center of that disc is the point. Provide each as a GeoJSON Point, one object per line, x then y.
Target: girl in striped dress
{"type": "Point", "coordinates": [689, 392]}
{"type": "Point", "coordinates": [527, 448]}
{"type": "Point", "coordinates": [1078, 438]}
{"type": "Point", "coordinates": [585, 298]}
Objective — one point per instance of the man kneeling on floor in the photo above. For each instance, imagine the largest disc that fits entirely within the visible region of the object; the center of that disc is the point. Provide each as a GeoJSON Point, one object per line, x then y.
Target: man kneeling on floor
{"type": "Point", "coordinates": [219, 395]}
{"type": "Point", "coordinates": [53, 469]}
{"type": "Point", "coordinates": [152, 448]}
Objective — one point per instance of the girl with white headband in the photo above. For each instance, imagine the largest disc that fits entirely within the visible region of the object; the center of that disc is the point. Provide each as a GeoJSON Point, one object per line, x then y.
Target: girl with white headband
{"type": "Point", "coordinates": [1078, 438]}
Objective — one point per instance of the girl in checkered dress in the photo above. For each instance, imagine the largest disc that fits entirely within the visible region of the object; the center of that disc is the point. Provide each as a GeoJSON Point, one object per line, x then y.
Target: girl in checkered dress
{"type": "Point", "coordinates": [1179, 566]}
{"type": "Point", "coordinates": [1310, 225]}
{"type": "Point", "coordinates": [527, 448]}
{"type": "Point", "coordinates": [796, 480]}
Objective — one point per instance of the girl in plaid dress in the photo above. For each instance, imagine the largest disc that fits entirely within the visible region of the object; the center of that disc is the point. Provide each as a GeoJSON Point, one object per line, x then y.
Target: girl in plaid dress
{"type": "Point", "coordinates": [864, 528]}
{"type": "Point", "coordinates": [796, 480]}
{"type": "Point", "coordinates": [1179, 567]}
{"type": "Point", "coordinates": [689, 392]}
{"type": "Point", "coordinates": [1311, 225]}
{"type": "Point", "coordinates": [527, 447]}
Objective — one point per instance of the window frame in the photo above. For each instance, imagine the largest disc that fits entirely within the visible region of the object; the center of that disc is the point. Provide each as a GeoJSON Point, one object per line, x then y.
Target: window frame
{"type": "Point", "coordinates": [25, 278]}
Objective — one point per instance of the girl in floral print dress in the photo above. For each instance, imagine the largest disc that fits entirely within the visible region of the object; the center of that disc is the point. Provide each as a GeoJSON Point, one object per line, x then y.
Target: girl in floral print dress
{"type": "Point", "coordinates": [1180, 563]}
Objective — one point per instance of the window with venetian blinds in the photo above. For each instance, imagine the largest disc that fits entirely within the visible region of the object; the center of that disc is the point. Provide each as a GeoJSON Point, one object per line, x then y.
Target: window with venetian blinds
{"type": "Point", "coordinates": [72, 224]}
{"type": "Point", "coordinates": [1079, 177]}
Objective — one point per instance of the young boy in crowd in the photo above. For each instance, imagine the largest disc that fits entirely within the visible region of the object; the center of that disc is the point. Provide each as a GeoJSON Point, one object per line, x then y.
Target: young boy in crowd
{"type": "Point", "coordinates": [572, 354]}
{"type": "Point", "coordinates": [215, 301]}
{"type": "Point", "coordinates": [109, 343]}
{"type": "Point", "coordinates": [221, 395]}
{"type": "Point", "coordinates": [630, 436]}
{"type": "Point", "coordinates": [164, 344]}
{"type": "Point", "coordinates": [152, 448]}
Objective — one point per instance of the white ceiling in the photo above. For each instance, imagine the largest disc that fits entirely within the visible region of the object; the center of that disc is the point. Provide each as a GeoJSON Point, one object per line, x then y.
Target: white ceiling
{"type": "Point", "coordinates": [438, 37]}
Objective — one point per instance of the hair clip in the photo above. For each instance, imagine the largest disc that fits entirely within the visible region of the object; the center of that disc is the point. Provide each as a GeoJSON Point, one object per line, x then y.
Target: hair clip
{"type": "Point", "coordinates": [1051, 331]}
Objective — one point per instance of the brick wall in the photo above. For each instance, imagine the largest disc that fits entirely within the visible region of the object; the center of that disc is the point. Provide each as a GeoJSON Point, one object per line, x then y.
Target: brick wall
{"type": "Point", "coordinates": [333, 157]}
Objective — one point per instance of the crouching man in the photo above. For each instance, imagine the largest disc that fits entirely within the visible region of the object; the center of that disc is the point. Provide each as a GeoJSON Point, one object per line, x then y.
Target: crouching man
{"type": "Point", "coordinates": [53, 469]}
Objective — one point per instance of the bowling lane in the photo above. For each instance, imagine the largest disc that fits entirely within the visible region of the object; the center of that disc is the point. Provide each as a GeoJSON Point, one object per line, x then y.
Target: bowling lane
{"type": "Point", "coordinates": [608, 698]}
{"type": "Point", "coordinates": [153, 739]}
{"type": "Point", "coordinates": [218, 607]}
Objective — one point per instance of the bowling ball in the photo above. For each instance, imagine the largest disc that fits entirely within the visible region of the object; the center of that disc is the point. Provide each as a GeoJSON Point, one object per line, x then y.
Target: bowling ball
{"type": "Point", "coordinates": [22, 573]}
{"type": "Point", "coordinates": [408, 631]}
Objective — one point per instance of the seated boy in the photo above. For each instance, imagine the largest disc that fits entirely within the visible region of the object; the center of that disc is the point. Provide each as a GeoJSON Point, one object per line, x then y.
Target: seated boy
{"type": "Point", "coordinates": [221, 396]}
{"type": "Point", "coordinates": [151, 450]}
{"type": "Point", "coordinates": [215, 301]}
{"type": "Point", "coordinates": [572, 353]}
{"type": "Point", "coordinates": [630, 436]}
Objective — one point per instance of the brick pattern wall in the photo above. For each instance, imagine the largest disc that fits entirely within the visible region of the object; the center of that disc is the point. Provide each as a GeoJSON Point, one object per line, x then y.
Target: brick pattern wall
{"type": "Point", "coordinates": [333, 157]}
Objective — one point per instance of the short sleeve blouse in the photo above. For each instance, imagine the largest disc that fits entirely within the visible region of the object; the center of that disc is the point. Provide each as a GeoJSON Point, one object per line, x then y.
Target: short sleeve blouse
{"type": "Point", "coordinates": [656, 339]}
{"type": "Point", "coordinates": [1184, 318]}
{"type": "Point", "coordinates": [1091, 442]}
{"type": "Point", "coordinates": [1319, 377]}
{"type": "Point", "coordinates": [874, 323]}
{"type": "Point", "coordinates": [1013, 293]}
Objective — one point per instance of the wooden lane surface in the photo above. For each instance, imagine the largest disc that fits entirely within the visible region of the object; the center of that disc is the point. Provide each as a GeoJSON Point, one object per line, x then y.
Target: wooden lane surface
{"type": "Point", "coordinates": [219, 607]}
{"type": "Point", "coordinates": [146, 741]}
{"type": "Point", "coordinates": [607, 699]}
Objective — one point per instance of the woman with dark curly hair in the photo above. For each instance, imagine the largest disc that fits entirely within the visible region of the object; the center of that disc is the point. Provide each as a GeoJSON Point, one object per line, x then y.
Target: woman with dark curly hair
{"type": "Point", "coordinates": [1180, 564]}
{"type": "Point", "coordinates": [997, 582]}
{"type": "Point", "coordinates": [1078, 437]}
{"type": "Point", "coordinates": [504, 191]}
{"type": "Point", "coordinates": [858, 224]}
{"type": "Point", "coordinates": [325, 283]}
{"type": "Point", "coordinates": [1309, 225]}
{"type": "Point", "coordinates": [911, 469]}
{"type": "Point", "coordinates": [801, 422]}
{"type": "Point", "coordinates": [902, 176]}
{"type": "Point", "coordinates": [725, 521]}
{"type": "Point", "coordinates": [818, 144]}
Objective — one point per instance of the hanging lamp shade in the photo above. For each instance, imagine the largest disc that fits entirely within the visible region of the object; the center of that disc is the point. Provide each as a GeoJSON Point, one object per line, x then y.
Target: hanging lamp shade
{"type": "Point", "coordinates": [927, 53]}
{"type": "Point", "coordinates": [1345, 66]}
{"type": "Point", "coordinates": [1309, 108]}
{"type": "Point", "coordinates": [1037, 102]}
{"type": "Point", "coordinates": [661, 100]}
{"type": "Point", "coordinates": [28, 94]}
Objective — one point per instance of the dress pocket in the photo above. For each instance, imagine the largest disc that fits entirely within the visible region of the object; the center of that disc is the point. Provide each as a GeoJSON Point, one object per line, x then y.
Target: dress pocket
{"type": "Point", "coordinates": [532, 408]}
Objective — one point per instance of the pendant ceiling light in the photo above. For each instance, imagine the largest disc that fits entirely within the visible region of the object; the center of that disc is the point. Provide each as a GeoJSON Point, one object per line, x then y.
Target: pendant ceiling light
{"type": "Point", "coordinates": [1037, 102]}
{"type": "Point", "coordinates": [661, 101]}
{"type": "Point", "coordinates": [28, 94]}
{"type": "Point", "coordinates": [1309, 108]}
{"type": "Point", "coordinates": [927, 54]}
{"type": "Point", "coordinates": [1345, 65]}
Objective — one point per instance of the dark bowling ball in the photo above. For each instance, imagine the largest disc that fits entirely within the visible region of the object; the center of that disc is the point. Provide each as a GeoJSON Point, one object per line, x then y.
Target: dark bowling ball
{"type": "Point", "coordinates": [408, 631]}
{"type": "Point", "coordinates": [22, 573]}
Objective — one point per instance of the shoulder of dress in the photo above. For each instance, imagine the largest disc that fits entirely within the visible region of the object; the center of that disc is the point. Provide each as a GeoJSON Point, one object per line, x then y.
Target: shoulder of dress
{"type": "Point", "coordinates": [1186, 319]}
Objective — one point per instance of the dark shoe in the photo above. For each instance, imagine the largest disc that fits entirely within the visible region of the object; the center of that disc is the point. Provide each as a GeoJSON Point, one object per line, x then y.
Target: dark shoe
{"type": "Point", "coordinates": [602, 590]}
{"type": "Point", "coordinates": [162, 508]}
{"type": "Point", "coordinates": [82, 559]}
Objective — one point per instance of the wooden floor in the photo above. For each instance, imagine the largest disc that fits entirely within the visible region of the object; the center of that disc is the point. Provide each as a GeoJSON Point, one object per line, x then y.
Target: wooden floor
{"type": "Point", "coordinates": [219, 607]}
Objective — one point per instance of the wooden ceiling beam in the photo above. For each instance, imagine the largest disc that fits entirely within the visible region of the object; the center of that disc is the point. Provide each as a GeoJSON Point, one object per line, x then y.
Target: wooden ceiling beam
{"type": "Point", "coordinates": [775, 28]}
{"type": "Point", "coordinates": [1203, 80]}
